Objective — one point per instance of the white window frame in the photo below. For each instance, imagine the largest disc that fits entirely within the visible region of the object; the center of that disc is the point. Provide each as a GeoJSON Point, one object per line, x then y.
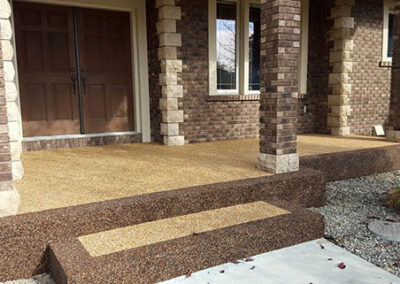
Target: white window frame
{"type": "Point", "coordinates": [388, 8]}
{"type": "Point", "coordinates": [303, 64]}
{"type": "Point", "coordinates": [244, 55]}
{"type": "Point", "coordinates": [242, 48]}
{"type": "Point", "coordinates": [212, 26]}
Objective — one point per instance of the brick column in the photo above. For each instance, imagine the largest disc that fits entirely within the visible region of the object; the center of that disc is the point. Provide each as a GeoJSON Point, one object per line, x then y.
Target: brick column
{"type": "Point", "coordinates": [394, 135]}
{"type": "Point", "coordinates": [280, 51]}
{"type": "Point", "coordinates": [9, 198]}
{"type": "Point", "coordinates": [342, 60]}
{"type": "Point", "coordinates": [169, 41]}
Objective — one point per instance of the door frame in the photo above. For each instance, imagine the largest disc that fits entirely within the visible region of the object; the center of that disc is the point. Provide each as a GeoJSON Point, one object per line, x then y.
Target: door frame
{"type": "Point", "coordinates": [140, 80]}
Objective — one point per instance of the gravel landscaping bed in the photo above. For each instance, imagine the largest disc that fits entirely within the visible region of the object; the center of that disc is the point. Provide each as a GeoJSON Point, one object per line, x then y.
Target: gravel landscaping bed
{"type": "Point", "coordinates": [351, 205]}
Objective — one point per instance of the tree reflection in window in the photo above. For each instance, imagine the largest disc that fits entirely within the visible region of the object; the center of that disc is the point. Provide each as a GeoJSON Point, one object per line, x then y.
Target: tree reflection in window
{"type": "Point", "coordinates": [226, 46]}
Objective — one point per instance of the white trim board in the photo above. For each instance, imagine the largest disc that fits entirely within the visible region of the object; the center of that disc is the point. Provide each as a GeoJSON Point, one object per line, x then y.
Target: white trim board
{"type": "Point", "coordinates": [388, 8]}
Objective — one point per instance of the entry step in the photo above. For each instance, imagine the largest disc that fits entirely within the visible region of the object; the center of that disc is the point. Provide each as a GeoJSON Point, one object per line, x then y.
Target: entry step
{"type": "Point", "coordinates": [160, 250]}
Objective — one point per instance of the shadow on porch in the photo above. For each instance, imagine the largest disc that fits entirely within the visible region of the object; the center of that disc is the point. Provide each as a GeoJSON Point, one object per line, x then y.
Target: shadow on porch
{"type": "Point", "coordinates": [70, 177]}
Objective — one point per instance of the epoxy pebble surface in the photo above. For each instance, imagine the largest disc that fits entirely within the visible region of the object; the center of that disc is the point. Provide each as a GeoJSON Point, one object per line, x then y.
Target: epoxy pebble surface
{"type": "Point", "coordinates": [351, 205]}
{"type": "Point", "coordinates": [70, 177]}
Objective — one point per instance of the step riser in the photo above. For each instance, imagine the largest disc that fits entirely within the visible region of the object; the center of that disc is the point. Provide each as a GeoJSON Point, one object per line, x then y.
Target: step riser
{"type": "Point", "coordinates": [23, 239]}
{"type": "Point", "coordinates": [162, 261]}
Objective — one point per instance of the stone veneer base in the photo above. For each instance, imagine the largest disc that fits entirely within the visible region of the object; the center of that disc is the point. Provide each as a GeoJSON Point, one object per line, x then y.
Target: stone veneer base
{"type": "Point", "coordinates": [9, 202]}
{"type": "Point", "coordinates": [278, 164]}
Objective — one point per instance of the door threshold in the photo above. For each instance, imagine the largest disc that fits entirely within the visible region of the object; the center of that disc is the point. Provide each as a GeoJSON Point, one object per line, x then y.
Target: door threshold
{"type": "Point", "coordinates": [77, 136]}
{"type": "Point", "coordinates": [79, 140]}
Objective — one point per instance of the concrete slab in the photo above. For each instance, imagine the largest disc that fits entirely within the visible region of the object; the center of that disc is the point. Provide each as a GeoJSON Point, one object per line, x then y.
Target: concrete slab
{"type": "Point", "coordinates": [312, 262]}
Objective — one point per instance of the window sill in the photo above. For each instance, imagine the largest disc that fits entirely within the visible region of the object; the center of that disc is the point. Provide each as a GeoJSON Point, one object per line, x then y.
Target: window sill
{"type": "Point", "coordinates": [232, 98]}
{"type": "Point", "coordinates": [387, 64]}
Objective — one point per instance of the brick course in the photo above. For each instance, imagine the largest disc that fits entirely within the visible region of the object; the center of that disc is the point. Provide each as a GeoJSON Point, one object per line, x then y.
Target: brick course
{"type": "Point", "coordinates": [315, 119]}
{"type": "Point", "coordinates": [280, 47]}
{"type": "Point", "coordinates": [370, 98]}
{"type": "Point", "coordinates": [280, 54]}
{"type": "Point", "coordinates": [208, 118]}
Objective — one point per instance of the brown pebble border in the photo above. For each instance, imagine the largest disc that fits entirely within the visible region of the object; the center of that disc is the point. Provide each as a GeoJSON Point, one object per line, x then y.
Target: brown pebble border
{"type": "Point", "coordinates": [354, 164]}
{"type": "Point", "coordinates": [71, 263]}
{"type": "Point", "coordinates": [24, 238]}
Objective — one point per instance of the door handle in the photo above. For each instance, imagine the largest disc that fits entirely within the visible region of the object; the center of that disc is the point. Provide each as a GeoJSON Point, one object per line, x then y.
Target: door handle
{"type": "Point", "coordinates": [73, 78]}
{"type": "Point", "coordinates": [84, 85]}
{"type": "Point", "coordinates": [83, 77]}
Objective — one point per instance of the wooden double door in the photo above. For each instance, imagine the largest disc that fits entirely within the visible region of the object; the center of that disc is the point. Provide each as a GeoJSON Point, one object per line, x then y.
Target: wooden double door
{"type": "Point", "coordinates": [75, 72]}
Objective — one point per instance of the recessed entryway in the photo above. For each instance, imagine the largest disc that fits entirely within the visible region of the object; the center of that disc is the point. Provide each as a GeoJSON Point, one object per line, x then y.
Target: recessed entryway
{"type": "Point", "coordinates": [75, 70]}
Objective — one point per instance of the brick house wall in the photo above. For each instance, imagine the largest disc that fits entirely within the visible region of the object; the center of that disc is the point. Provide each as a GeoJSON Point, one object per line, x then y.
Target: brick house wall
{"type": "Point", "coordinates": [207, 118]}
{"type": "Point", "coordinates": [370, 99]}
{"type": "Point", "coordinates": [154, 70]}
{"type": "Point", "coordinates": [316, 99]}
{"type": "Point", "coordinates": [218, 118]}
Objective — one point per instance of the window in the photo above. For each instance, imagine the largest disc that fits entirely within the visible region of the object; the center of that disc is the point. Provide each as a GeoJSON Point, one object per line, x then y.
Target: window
{"type": "Point", "coordinates": [390, 36]}
{"type": "Point", "coordinates": [234, 41]}
{"type": "Point", "coordinates": [226, 46]}
{"type": "Point", "coordinates": [254, 48]}
{"type": "Point", "coordinates": [234, 47]}
{"type": "Point", "coordinates": [388, 17]}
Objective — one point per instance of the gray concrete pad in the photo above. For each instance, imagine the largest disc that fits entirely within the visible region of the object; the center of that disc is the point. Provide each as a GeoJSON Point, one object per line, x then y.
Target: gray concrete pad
{"type": "Point", "coordinates": [314, 262]}
{"type": "Point", "coordinates": [386, 230]}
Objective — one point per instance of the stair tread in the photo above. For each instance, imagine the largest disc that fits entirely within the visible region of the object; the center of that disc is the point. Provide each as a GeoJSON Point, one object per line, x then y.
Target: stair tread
{"type": "Point", "coordinates": [165, 257]}
{"type": "Point", "coordinates": [176, 227]}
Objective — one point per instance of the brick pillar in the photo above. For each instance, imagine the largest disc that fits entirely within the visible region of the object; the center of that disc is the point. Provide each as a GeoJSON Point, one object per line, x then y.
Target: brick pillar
{"type": "Point", "coordinates": [394, 135]}
{"type": "Point", "coordinates": [342, 60]}
{"type": "Point", "coordinates": [172, 91]}
{"type": "Point", "coordinates": [9, 198]}
{"type": "Point", "coordinates": [280, 51]}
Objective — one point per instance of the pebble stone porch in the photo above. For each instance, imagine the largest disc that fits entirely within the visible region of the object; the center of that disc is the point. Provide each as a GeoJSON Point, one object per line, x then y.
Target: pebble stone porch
{"type": "Point", "coordinates": [69, 177]}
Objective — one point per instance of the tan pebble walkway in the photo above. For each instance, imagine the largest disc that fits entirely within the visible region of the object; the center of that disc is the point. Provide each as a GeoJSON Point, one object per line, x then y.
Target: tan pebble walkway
{"type": "Point", "coordinates": [167, 229]}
